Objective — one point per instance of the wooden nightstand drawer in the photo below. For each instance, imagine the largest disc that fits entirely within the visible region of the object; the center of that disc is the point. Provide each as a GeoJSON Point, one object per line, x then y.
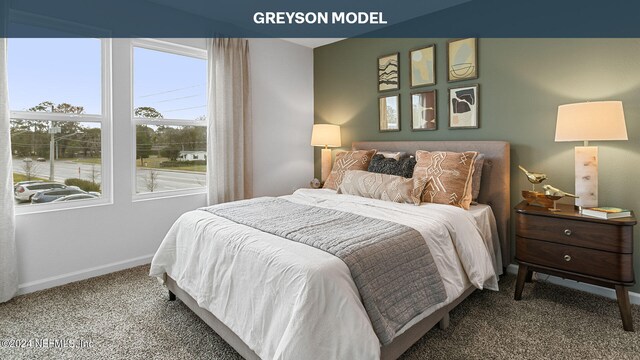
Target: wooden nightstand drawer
{"type": "Point", "coordinates": [585, 234]}
{"type": "Point", "coordinates": [603, 264]}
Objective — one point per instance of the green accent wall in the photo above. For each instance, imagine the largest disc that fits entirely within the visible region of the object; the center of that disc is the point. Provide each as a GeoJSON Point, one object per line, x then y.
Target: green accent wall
{"type": "Point", "coordinates": [522, 82]}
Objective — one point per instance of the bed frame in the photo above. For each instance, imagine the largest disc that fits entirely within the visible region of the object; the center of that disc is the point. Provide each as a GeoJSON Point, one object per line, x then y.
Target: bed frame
{"type": "Point", "coordinates": [494, 191]}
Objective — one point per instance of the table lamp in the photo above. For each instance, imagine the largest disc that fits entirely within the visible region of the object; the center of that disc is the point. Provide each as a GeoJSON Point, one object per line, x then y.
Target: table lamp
{"type": "Point", "coordinates": [328, 136]}
{"type": "Point", "coordinates": [589, 121]}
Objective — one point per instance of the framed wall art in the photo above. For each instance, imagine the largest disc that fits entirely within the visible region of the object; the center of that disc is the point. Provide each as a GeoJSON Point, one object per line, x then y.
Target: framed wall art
{"type": "Point", "coordinates": [462, 59]}
{"type": "Point", "coordinates": [463, 107]}
{"type": "Point", "coordinates": [389, 113]}
{"type": "Point", "coordinates": [423, 111]}
{"type": "Point", "coordinates": [388, 72]}
{"type": "Point", "coordinates": [423, 64]}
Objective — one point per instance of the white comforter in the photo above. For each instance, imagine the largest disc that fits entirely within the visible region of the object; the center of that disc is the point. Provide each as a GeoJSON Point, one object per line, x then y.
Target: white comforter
{"type": "Point", "coordinates": [287, 300]}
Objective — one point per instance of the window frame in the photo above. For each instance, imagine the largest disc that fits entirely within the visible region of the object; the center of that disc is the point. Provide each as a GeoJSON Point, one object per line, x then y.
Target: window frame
{"type": "Point", "coordinates": [176, 49]}
{"type": "Point", "coordinates": [106, 137]}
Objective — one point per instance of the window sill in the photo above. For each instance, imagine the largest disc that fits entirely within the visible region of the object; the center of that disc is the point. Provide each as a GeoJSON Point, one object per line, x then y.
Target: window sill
{"type": "Point", "coordinates": [168, 194]}
{"type": "Point", "coordinates": [45, 208]}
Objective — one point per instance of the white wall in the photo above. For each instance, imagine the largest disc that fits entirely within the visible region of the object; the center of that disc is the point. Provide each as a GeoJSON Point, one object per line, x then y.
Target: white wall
{"type": "Point", "coordinates": [282, 85]}
{"type": "Point", "coordinates": [63, 246]}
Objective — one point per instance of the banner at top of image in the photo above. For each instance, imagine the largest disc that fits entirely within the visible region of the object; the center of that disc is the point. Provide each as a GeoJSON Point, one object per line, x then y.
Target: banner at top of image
{"type": "Point", "coordinates": [326, 18]}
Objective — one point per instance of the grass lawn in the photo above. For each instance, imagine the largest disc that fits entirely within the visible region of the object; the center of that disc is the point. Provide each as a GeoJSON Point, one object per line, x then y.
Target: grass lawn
{"type": "Point", "coordinates": [198, 168]}
{"type": "Point", "coordinates": [152, 162]}
{"type": "Point", "coordinates": [19, 177]}
{"type": "Point", "coordinates": [97, 161]}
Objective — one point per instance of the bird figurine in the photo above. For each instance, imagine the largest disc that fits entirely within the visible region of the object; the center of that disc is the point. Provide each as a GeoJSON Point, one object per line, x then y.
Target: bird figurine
{"type": "Point", "coordinates": [534, 178]}
{"type": "Point", "coordinates": [552, 191]}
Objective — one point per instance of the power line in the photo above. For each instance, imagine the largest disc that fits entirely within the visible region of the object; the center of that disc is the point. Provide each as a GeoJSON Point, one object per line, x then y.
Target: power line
{"type": "Point", "coordinates": [189, 108]}
{"type": "Point", "coordinates": [178, 98]}
{"type": "Point", "coordinates": [169, 91]}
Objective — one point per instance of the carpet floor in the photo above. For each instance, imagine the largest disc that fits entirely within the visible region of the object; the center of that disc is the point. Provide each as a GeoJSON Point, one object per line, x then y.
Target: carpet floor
{"type": "Point", "coordinates": [126, 315]}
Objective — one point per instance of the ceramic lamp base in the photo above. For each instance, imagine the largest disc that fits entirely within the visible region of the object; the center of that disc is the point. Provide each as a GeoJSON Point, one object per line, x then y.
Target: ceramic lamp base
{"type": "Point", "coordinates": [586, 176]}
{"type": "Point", "coordinates": [326, 164]}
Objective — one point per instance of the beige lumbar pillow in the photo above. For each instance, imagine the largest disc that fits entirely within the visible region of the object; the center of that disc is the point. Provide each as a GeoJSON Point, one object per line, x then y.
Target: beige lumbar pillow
{"type": "Point", "coordinates": [380, 186]}
{"type": "Point", "coordinates": [348, 160]}
{"type": "Point", "coordinates": [446, 176]}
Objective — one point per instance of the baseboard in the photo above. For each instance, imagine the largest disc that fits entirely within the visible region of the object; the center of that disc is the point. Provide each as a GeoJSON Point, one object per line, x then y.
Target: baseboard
{"type": "Point", "coordinates": [634, 297]}
{"type": "Point", "coordinates": [82, 274]}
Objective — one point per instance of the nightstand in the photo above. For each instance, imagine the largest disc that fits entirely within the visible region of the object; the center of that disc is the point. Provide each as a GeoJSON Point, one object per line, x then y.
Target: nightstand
{"type": "Point", "coordinates": [572, 246]}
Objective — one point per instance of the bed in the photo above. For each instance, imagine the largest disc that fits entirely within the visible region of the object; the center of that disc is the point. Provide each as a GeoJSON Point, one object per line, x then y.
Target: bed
{"type": "Point", "coordinates": [272, 298]}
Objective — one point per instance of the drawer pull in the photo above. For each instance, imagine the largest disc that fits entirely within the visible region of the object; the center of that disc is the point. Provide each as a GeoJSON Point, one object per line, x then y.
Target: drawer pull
{"type": "Point", "coordinates": [567, 258]}
{"type": "Point", "coordinates": [567, 232]}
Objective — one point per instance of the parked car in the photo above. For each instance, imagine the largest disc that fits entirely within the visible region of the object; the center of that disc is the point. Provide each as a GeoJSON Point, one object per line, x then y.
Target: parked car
{"type": "Point", "coordinates": [75, 197]}
{"type": "Point", "coordinates": [46, 196]}
{"type": "Point", "coordinates": [26, 182]}
{"type": "Point", "coordinates": [24, 193]}
{"type": "Point", "coordinates": [27, 160]}
{"type": "Point", "coordinates": [41, 159]}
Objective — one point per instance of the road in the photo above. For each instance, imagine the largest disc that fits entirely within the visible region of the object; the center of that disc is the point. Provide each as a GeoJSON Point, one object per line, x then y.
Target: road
{"type": "Point", "coordinates": [166, 179]}
{"type": "Point", "coordinates": [170, 179]}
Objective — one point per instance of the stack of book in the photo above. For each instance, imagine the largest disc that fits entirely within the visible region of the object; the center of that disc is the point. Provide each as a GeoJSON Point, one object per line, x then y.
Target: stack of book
{"type": "Point", "coordinates": [606, 212]}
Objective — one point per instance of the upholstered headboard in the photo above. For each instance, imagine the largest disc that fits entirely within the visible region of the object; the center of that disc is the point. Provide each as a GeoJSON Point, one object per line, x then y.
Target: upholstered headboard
{"type": "Point", "coordinates": [495, 185]}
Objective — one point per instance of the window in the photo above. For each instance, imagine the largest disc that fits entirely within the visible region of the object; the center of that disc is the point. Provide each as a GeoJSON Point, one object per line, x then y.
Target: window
{"type": "Point", "coordinates": [169, 114]}
{"type": "Point", "coordinates": [59, 99]}
{"type": "Point", "coordinates": [61, 109]}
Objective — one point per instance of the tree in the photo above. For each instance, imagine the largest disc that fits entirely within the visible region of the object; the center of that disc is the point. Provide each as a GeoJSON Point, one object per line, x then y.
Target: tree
{"type": "Point", "coordinates": [151, 181]}
{"type": "Point", "coordinates": [29, 169]}
{"type": "Point", "coordinates": [69, 109]}
{"type": "Point", "coordinates": [171, 152]}
{"type": "Point", "coordinates": [88, 142]}
{"type": "Point", "coordinates": [193, 137]}
{"type": "Point", "coordinates": [63, 108]}
{"type": "Point", "coordinates": [29, 137]}
{"type": "Point", "coordinates": [66, 127]}
{"type": "Point", "coordinates": [145, 136]}
{"type": "Point", "coordinates": [147, 112]}
{"type": "Point", "coordinates": [144, 142]}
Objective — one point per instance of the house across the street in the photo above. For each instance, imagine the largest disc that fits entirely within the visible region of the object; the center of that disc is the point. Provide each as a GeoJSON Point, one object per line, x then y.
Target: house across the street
{"type": "Point", "coordinates": [192, 155]}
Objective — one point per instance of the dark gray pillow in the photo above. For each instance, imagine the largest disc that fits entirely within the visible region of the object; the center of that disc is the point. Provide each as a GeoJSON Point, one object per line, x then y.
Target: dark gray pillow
{"type": "Point", "coordinates": [403, 167]}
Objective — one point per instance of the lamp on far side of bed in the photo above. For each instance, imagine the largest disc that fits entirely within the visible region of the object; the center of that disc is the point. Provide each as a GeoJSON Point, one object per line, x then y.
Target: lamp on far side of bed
{"type": "Point", "coordinates": [326, 135]}
{"type": "Point", "coordinates": [589, 121]}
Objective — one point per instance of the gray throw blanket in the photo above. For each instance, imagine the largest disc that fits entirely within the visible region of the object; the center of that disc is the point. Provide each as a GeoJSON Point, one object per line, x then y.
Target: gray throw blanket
{"type": "Point", "coordinates": [390, 263]}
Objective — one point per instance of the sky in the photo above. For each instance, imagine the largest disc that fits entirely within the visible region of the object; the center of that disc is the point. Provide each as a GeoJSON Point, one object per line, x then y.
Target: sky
{"type": "Point", "coordinates": [68, 70]}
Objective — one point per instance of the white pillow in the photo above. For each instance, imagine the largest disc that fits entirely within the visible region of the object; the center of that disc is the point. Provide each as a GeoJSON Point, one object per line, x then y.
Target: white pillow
{"type": "Point", "coordinates": [392, 155]}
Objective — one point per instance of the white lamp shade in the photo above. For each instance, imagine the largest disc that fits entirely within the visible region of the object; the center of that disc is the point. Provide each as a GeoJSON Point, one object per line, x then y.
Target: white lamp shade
{"type": "Point", "coordinates": [326, 135]}
{"type": "Point", "coordinates": [591, 121]}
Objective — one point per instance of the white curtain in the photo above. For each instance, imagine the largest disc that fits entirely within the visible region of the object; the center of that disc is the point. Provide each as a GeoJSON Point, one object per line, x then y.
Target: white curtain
{"type": "Point", "coordinates": [229, 163]}
{"type": "Point", "coordinates": [8, 263]}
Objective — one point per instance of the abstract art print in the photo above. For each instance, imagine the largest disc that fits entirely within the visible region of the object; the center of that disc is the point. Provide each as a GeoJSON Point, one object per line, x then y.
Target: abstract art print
{"type": "Point", "coordinates": [423, 111]}
{"type": "Point", "coordinates": [388, 78]}
{"type": "Point", "coordinates": [423, 66]}
{"type": "Point", "coordinates": [389, 113]}
{"type": "Point", "coordinates": [463, 107]}
{"type": "Point", "coordinates": [462, 59]}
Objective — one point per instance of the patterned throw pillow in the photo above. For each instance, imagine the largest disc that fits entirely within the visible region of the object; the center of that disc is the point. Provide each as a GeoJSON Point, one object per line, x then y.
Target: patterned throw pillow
{"type": "Point", "coordinates": [384, 165]}
{"type": "Point", "coordinates": [347, 160]}
{"type": "Point", "coordinates": [381, 186]}
{"type": "Point", "coordinates": [446, 176]}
